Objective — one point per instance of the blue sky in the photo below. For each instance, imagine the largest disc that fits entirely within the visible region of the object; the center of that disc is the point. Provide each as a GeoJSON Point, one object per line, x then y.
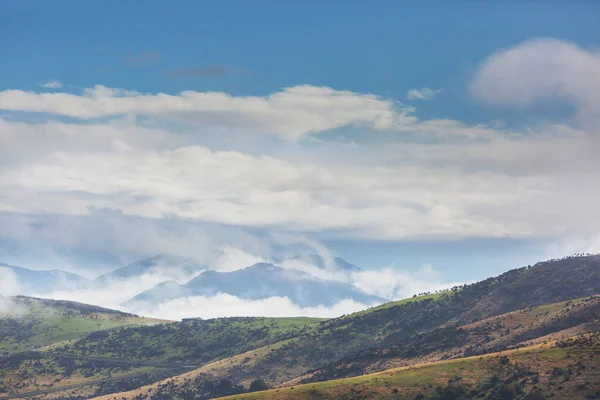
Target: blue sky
{"type": "Point", "coordinates": [385, 47]}
{"type": "Point", "coordinates": [504, 145]}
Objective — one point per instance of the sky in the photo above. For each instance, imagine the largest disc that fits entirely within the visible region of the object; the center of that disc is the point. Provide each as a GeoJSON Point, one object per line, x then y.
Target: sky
{"type": "Point", "coordinates": [458, 137]}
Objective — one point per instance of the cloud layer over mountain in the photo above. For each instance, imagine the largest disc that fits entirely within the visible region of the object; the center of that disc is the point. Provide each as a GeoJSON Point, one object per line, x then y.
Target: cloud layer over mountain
{"type": "Point", "coordinates": [96, 177]}
{"type": "Point", "coordinates": [169, 286]}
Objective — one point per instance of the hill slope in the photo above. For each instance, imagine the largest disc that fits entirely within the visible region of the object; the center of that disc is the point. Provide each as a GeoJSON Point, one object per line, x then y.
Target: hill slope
{"type": "Point", "coordinates": [195, 341]}
{"type": "Point", "coordinates": [39, 322]}
{"type": "Point", "coordinates": [567, 369]}
{"type": "Point", "coordinates": [405, 321]}
{"type": "Point", "coordinates": [506, 331]}
{"type": "Point", "coordinates": [335, 339]}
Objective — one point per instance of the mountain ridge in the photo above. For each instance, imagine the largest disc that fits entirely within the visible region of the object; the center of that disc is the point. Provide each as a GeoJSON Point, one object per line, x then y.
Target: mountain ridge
{"type": "Point", "coordinates": [259, 281]}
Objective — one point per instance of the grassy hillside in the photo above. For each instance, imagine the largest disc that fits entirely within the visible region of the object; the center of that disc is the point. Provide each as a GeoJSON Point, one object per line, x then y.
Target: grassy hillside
{"type": "Point", "coordinates": [510, 330]}
{"type": "Point", "coordinates": [419, 325]}
{"type": "Point", "coordinates": [336, 339]}
{"type": "Point", "coordinates": [567, 370]}
{"type": "Point", "coordinates": [38, 322]}
{"type": "Point", "coordinates": [548, 320]}
{"type": "Point", "coordinates": [99, 365]}
{"type": "Point", "coordinates": [32, 371]}
{"type": "Point", "coordinates": [198, 341]}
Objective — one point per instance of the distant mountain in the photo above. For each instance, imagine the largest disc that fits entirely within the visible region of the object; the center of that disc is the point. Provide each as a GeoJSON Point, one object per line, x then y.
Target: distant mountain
{"type": "Point", "coordinates": [256, 282]}
{"type": "Point", "coordinates": [168, 266]}
{"type": "Point", "coordinates": [44, 281]}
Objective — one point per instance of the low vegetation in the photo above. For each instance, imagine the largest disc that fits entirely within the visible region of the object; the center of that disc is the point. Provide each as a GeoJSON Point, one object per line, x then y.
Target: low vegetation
{"type": "Point", "coordinates": [569, 369]}
{"type": "Point", "coordinates": [193, 341]}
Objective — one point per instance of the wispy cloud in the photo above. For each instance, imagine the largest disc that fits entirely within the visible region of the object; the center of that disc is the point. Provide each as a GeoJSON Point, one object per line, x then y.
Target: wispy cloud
{"type": "Point", "coordinates": [141, 59]}
{"type": "Point", "coordinates": [292, 113]}
{"type": "Point", "coordinates": [424, 93]}
{"type": "Point", "coordinates": [52, 85]}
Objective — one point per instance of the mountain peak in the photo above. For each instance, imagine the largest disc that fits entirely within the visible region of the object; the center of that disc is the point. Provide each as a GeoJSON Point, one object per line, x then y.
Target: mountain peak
{"type": "Point", "coordinates": [263, 266]}
{"type": "Point", "coordinates": [172, 266]}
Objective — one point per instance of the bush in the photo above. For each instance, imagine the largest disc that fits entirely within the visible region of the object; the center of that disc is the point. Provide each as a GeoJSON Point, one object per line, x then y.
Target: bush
{"type": "Point", "coordinates": [258, 385]}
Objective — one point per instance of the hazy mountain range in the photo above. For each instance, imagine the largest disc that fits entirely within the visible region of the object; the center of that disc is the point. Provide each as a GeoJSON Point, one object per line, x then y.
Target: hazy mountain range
{"type": "Point", "coordinates": [31, 281]}
{"type": "Point", "coordinates": [182, 277]}
{"type": "Point", "coordinates": [260, 281]}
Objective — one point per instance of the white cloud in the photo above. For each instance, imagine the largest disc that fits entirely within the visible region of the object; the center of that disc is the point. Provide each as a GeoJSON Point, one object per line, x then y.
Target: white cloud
{"type": "Point", "coordinates": [576, 244]}
{"type": "Point", "coordinates": [541, 71]}
{"type": "Point", "coordinates": [52, 85]}
{"type": "Point", "coordinates": [103, 239]}
{"type": "Point", "coordinates": [8, 307]}
{"type": "Point", "coordinates": [233, 258]}
{"type": "Point", "coordinates": [231, 306]}
{"type": "Point", "coordinates": [316, 271]}
{"type": "Point", "coordinates": [396, 284]}
{"type": "Point", "coordinates": [113, 293]}
{"type": "Point", "coordinates": [423, 93]}
{"type": "Point", "coordinates": [9, 286]}
{"type": "Point", "coordinates": [463, 181]}
{"type": "Point", "coordinates": [513, 185]}
{"type": "Point", "coordinates": [292, 113]}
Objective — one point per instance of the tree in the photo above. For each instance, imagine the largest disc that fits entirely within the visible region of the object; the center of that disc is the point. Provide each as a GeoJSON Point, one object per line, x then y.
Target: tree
{"type": "Point", "coordinates": [258, 385]}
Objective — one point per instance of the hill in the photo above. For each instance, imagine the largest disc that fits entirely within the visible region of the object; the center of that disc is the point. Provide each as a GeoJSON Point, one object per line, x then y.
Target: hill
{"type": "Point", "coordinates": [420, 322]}
{"type": "Point", "coordinates": [435, 346]}
{"type": "Point", "coordinates": [40, 322]}
{"type": "Point", "coordinates": [567, 369]}
{"type": "Point", "coordinates": [52, 372]}
{"type": "Point", "coordinates": [191, 341]}
{"type": "Point", "coordinates": [511, 330]}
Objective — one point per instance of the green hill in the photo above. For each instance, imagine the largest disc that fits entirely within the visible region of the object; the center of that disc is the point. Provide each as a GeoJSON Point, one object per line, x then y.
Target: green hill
{"type": "Point", "coordinates": [40, 322]}
{"type": "Point", "coordinates": [195, 341]}
{"type": "Point", "coordinates": [335, 339]}
{"type": "Point", "coordinates": [415, 325]}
